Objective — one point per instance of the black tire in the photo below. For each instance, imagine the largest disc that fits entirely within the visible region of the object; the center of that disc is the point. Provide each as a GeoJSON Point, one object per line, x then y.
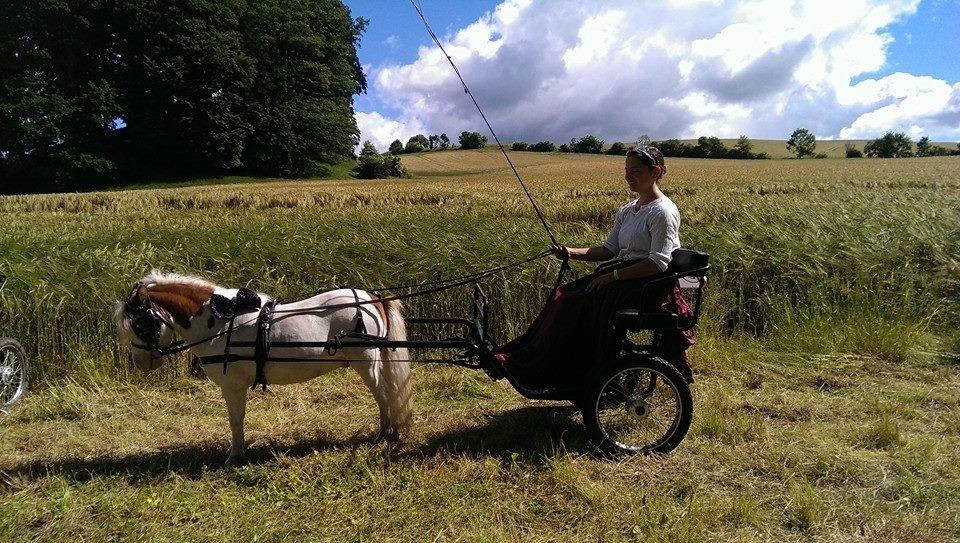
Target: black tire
{"type": "Point", "coordinates": [641, 405]}
{"type": "Point", "coordinates": [13, 373]}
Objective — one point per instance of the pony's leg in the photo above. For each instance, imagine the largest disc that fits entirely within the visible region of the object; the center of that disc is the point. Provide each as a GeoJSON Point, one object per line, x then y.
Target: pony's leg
{"type": "Point", "coordinates": [369, 370]}
{"type": "Point", "coordinates": [236, 398]}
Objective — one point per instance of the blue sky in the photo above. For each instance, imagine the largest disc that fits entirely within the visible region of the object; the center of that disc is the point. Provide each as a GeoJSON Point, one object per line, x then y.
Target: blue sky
{"type": "Point", "coordinates": [928, 42]}
{"type": "Point", "coordinates": [395, 32]}
{"type": "Point", "coordinates": [761, 92]}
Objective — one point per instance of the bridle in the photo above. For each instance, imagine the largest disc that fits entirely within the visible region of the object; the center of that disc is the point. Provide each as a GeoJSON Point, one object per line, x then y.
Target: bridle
{"type": "Point", "coordinates": [146, 323]}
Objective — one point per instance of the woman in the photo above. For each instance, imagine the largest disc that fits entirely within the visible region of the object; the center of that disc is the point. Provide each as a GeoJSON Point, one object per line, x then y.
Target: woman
{"type": "Point", "coordinates": [645, 231]}
{"type": "Point", "coordinates": [572, 330]}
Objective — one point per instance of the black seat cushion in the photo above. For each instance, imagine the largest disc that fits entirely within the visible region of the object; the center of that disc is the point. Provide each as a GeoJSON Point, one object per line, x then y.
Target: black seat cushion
{"type": "Point", "coordinates": [683, 260]}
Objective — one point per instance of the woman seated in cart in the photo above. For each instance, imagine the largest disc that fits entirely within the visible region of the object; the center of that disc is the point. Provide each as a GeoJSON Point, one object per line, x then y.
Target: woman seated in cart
{"type": "Point", "coordinates": [573, 328]}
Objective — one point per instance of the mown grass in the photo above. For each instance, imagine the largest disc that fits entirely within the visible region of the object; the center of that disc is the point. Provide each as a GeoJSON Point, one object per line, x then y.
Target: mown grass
{"type": "Point", "coordinates": [828, 401]}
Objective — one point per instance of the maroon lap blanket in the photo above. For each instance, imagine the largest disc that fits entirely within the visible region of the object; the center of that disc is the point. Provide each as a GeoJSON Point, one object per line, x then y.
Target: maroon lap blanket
{"type": "Point", "coordinates": [567, 339]}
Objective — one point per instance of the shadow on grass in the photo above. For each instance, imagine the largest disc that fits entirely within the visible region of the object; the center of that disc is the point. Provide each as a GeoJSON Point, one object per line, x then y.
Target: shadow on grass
{"type": "Point", "coordinates": [189, 461]}
{"type": "Point", "coordinates": [528, 435]}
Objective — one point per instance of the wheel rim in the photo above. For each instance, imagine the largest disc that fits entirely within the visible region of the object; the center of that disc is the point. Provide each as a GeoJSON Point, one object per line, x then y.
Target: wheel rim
{"type": "Point", "coordinates": [13, 379]}
{"type": "Point", "coordinates": [638, 409]}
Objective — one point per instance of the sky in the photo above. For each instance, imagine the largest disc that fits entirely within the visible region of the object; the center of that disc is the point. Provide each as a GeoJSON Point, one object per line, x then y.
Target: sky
{"type": "Point", "coordinates": [558, 69]}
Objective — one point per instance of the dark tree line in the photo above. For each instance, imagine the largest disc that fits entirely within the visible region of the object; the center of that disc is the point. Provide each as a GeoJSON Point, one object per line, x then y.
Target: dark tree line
{"type": "Point", "coordinates": [706, 147]}
{"type": "Point", "coordinates": [99, 91]}
{"type": "Point", "coordinates": [434, 142]}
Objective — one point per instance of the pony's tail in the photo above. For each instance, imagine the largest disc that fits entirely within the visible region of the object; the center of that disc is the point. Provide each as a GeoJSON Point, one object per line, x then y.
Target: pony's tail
{"type": "Point", "coordinates": [396, 373]}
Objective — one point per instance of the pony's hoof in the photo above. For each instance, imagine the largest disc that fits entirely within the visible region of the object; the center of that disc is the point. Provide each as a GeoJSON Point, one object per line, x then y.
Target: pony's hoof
{"type": "Point", "coordinates": [235, 461]}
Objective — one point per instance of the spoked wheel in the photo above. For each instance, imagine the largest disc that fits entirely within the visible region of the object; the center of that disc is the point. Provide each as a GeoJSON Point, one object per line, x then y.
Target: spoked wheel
{"type": "Point", "coordinates": [13, 373]}
{"type": "Point", "coordinates": [643, 405]}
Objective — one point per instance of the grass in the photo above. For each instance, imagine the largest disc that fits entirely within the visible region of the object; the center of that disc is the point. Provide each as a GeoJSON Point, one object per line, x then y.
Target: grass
{"type": "Point", "coordinates": [827, 396]}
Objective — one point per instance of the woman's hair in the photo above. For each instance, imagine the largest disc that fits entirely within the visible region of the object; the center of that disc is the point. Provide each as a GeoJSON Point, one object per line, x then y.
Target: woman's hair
{"type": "Point", "coordinates": [653, 153]}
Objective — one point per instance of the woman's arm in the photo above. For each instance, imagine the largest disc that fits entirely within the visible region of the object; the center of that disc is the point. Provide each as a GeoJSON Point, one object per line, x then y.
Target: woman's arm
{"type": "Point", "coordinates": [644, 268]}
{"type": "Point", "coordinates": [598, 253]}
{"type": "Point", "coordinates": [588, 254]}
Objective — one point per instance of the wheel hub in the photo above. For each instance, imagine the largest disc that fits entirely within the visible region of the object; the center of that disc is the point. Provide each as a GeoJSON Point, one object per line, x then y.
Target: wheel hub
{"type": "Point", "coordinates": [639, 407]}
{"type": "Point", "coordinates": [6, 374]}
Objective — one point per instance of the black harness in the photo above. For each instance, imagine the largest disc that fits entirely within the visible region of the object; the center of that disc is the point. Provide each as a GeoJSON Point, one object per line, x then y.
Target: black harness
{"type": "Point", "coordinates": [261, 346]}
{"type": "Point", "coordinates": [261, 350]}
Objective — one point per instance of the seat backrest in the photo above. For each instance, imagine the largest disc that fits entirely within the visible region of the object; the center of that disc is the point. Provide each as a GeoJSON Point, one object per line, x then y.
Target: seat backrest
{"type": "Point", "coordinates": [683, 260]}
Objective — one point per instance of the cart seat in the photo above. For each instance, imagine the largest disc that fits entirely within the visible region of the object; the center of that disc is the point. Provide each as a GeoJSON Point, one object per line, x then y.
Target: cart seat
{"type": "Point", "coordinates": [683, 263]}
{"type": "Point", "coordinates": [688, 263]}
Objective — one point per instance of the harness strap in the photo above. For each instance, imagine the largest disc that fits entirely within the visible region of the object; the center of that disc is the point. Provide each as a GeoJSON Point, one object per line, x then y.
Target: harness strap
{"type": "Point", "coordinates": [261, 349]}
{"type": "Point", "coordinates": [360, 327]}
{"type": "Point", "coordinates": [226, 348]}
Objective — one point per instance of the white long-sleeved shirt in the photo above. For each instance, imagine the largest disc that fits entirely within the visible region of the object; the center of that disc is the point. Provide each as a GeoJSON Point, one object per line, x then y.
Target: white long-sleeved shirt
{"type": "Point", "coordinates": [652, 231]}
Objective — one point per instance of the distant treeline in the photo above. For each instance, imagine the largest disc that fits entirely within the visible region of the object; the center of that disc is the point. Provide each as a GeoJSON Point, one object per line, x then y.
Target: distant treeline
{"type": "Point", "coordinates": [95, 92]}
{"type": "Point", "coordinates": [899, 145]}
{"type": "Point", "coordinates": [706, 147]}
{"type": "Point", "coordinates": [802, 142]}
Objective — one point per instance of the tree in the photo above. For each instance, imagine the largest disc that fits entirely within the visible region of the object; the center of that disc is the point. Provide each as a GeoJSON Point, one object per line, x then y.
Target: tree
{"type": "Point", "coordinates": [519, 146]}
{"type": "Point", "coordinates": [565, 148]}
{"type": "Point", "coordinates": [444, 141]}
{"type": "Point", "coordinates": [586, 144]}
{"type": "Point", "coordinates": [743, 145]}
{"type": "Point", "coordinates": [644, 140]}
{"type": "Point", "coordinates": [617, 149]}
{"type": "Point", "coordinates": [675, 148]}
{"type": "Point", "coordinates": [375, 166]}
{"type": "Point", "coordinates": [923, 146]}
{"type": "Point", "coordinates": [201, 87]}
{"type": "Point", "coordinates": [396, 148]}
{"type": "Point", "coordinates": [434, 141]}
{"type": "Point", "coordinates": [938, 150]}
{"type": "Point", "coordinates": [56, 100]}
{"type": "Point", "coordinates": [417, 144]}
{"type": "Point", "coordinates": [802, 143]}
{"type": "Point", "coordinates": [711, 147]}
{"type": "Point", "coordinates": [304, 72]}
{"type": "Point", "coordinates": [891, 145]}
{"type": "Point", "coordinates": [472, 140]}
{"type": "Point", "coordinates": [851, 152]}
{"type": "Point", "coordinates": [369, 149]}
{"type": "Point", "coordinates": [543, 147]}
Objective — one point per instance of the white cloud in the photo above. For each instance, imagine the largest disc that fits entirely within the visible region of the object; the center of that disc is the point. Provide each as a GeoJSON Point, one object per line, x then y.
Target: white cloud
{"type": "Point", "coordinates": [546, 69]}
{"type": "Point", "coordinates": [913, 103]}
{"type": "Point", "coordinates": [381, 131]}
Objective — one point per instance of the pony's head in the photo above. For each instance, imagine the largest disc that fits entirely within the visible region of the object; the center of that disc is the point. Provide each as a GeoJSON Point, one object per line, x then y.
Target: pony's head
{"type": "Point", "coordinates": [158, 308]}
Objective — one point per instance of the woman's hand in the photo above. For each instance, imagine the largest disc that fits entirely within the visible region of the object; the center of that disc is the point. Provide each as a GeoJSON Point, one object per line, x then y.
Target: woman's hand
{"type": "Point", "coordinates": [600, 282]}
{"type": "Point", "coordinates": [560, 252]}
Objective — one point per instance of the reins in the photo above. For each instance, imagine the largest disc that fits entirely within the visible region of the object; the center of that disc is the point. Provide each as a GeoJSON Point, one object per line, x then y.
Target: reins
{"type": "Point", "coordinates": [444, 284]}
{"type": "Point", "coordinates": [466, 89]}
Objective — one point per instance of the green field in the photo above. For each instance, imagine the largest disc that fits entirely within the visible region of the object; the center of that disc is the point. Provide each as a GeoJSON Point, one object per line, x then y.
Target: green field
{"type": "Point", "coordinates": [827, 394]}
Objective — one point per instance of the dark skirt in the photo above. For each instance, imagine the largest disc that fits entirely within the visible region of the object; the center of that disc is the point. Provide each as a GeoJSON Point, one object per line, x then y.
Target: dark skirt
{"type": "Point", "coordinates": [569, 339]}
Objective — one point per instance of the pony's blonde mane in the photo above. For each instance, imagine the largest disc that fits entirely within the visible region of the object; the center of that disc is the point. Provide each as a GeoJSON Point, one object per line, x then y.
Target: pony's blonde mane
{"type": "Point", "coordinates": [157, 277]}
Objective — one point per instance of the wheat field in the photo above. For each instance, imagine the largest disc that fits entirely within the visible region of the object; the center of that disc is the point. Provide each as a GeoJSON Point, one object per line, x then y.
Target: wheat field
{"type": "Point", "coordinates": [827, 394]}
